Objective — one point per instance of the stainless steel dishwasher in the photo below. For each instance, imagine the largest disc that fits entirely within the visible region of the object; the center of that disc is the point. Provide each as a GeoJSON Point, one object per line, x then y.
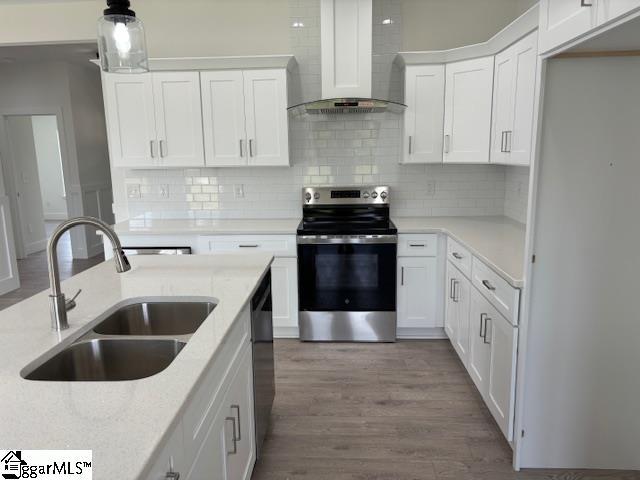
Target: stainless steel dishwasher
{"type": "Point", "coordinates": [263, 360]}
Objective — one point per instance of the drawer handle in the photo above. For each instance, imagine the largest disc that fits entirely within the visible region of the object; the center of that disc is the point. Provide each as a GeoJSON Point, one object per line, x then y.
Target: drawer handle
{"type": "Point", "coordinates": [583, 3]}
{"type": "Point", "coordinates": [248, 246]}
{"type": "Point", "coordinates": [486, 324]}
{"type": "Point", "coordinates": [487, 284]}
{"type": "Point", "coordinates": [237, 409]}
{"type": "Point", "coordinates": [482, 317]}
{"type": "Point", "coordinates": [235, 439]}
{"type": "Point", "coordinates": [456, 291]}
{"type": "Point", "coordinates": [417, 245]}
{"type": "Point", "coordinates": [172, 476]}
{"type": "Point", "coordinates": [402, 276]}
{"type": "Point", "coordinates": [451, 288]}
{"type": "Point", "coordinates": [457, 256]}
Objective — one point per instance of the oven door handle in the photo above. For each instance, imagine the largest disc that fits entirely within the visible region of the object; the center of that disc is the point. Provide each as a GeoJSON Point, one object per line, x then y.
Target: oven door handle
{"type": "Point", "coordinates": [353, 239]}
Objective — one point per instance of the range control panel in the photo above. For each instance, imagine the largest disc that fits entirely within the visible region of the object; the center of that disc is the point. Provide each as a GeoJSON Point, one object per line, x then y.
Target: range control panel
{"type": "Point", "coordinates": [361, 195]}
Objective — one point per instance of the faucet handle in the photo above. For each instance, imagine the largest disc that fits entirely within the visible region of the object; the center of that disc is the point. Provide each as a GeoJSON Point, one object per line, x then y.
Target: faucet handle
{"type": "Point", "coordinates": [71, 303]}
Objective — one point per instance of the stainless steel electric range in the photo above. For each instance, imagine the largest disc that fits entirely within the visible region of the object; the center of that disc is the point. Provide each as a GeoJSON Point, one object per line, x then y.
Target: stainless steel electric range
{"type": "Point", "coordinates": [347, 248]}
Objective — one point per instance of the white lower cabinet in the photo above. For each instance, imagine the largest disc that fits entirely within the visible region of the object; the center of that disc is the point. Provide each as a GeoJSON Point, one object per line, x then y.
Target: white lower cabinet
{"type": "Point", "coordinates": [458, 302]}
{"type": "Point", "coordinates": [416, 300]}
{"type": "Point", "coordinates": [215, 438]}
{"type": "Point", "coordinates": [492, 360]}
{"type": "Point", "coordinates": [284, 293]}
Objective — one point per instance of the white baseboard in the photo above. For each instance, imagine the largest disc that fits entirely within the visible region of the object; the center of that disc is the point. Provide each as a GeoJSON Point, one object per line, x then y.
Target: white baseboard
{"type": "Point", "coordinates": [286, 332]}
{"type": "Point", "coordinates": [436, 333]}
{"type": "Point", "coordinates": [35, 247]}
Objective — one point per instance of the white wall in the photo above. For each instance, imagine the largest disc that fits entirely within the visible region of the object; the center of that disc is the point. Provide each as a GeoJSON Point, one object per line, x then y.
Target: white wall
{"type": "Point", "coordinates": [45, 136]}
{"type": "Point", "coordinates": [516, 195]}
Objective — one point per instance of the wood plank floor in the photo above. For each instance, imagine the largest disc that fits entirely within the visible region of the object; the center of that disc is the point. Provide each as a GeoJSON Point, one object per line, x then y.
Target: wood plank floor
{"type": "Point", "coordinates": [403, 411]}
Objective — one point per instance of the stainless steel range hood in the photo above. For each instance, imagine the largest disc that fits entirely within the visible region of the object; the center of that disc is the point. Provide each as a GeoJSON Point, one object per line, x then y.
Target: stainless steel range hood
{"type": "Point", "coordinates": [334, 106]}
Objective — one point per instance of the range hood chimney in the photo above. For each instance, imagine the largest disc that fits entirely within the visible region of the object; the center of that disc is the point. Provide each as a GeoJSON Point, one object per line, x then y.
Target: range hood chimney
{"type": "Point", "coordinates": [346, 57]}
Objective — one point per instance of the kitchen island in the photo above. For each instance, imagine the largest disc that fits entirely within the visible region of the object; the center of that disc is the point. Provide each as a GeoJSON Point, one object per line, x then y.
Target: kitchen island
{"type": "Point", "coordinates": [125, 423]}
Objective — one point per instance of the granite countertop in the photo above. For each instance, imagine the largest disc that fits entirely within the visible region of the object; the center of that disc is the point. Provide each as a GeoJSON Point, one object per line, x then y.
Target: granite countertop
{"type": "Point", "coordinates": [497, 241]}
{"type": "Point", "coordinates": [259, 226]}
{"type": "Point", "coordinates": [124, 422]}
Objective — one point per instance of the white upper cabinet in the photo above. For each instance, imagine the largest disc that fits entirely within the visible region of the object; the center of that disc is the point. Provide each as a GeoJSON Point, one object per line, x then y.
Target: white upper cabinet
{"type": "Point", "coordinates": [467, 118]}
{"type": "Point", "coordinates": [424, 116]}
{"type": "Point", "coordinates": [130, 119]}
{"type": "Point", "coordinates": [245, 117]}
{"type": "Point", "coordinates": [346, 33]}
{"type": "Point", "coordinates": [225, 137]}
{"type": "Point", "coordinates": [154, 119]}
{"type": "Point", "coordinates": [611, 9]}
{"type": "Point", "coordinates": [564, 20]}
{"type": "Point", "coordinates": [266, 117]}
{"type": "Point", "coordinates": [513, 102]}
{"type": "Point", "coordinates": [178, 118]}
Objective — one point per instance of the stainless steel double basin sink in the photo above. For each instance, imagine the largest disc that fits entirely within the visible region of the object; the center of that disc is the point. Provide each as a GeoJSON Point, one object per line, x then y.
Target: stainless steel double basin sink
{"type": "Point", "coordinates": [136, 340]}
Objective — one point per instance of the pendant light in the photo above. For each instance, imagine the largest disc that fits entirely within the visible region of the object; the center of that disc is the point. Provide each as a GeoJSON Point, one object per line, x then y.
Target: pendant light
{"type": "Point", "coordinates": [121, 39]}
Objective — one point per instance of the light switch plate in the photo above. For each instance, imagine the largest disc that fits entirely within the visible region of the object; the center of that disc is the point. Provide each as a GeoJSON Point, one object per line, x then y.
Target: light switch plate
{"type": "Point", "coordinates": [133, 190]}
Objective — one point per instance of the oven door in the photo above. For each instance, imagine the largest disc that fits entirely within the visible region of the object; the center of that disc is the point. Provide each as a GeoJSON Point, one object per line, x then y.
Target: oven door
{"type": "Point", "coordinates": [355, 276]}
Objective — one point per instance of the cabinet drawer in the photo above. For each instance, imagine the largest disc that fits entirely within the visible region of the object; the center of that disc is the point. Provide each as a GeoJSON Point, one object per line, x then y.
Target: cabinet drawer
{"type": "Point", "coordinates": [418, 245]}
{"type": "Point", "coordinates": [207, 399]}
{"type": "Point", "coordinates": [279, 245]}
{"type": "Point", "coordinates": [503, 296]}
{"type": "Point", "coordinates": [459, 256]}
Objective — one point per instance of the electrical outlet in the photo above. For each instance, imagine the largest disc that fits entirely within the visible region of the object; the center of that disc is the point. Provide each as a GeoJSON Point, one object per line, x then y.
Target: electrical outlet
{"type": "Point", "coordinates": [133, 191]}
{"type": "Point", "coordinates": [164, 191]}
{"type": "Point", "coordinates": [431, 188]}
{"type": "Point", "coordinates": [238, 191]}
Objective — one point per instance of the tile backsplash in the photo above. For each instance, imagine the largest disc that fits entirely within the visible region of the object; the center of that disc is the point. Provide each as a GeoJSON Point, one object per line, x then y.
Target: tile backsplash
{"type": "Point", "coordinates": [352, 149]}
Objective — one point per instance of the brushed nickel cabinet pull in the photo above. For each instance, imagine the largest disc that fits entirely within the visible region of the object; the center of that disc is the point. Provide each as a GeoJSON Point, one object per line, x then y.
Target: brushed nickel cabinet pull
{"type": "Point", "coordinates": [410, 144]}
{"type": "Point", "coordinates": [235, 441]}
{"type": "Point", "coordinates": [402, 276]}
{"type": "Point", "coordinates": [251, 147]}
{"type": "Point", "coordinates": [583, 3]}
{"type": "Point", "coordinates": [486, 324]}
{"type": "Point", "coordinates": [447, 143]}
{"type": "Point", "coordinates": [163, 145]}
{"type": "Point", "coordinates": [457, 256]}
{"type": "Point", "coordinates": [508, 139]}
{"type": "Point", "coordinates": [456, 291]}
{"type": "Point", "coordinates": [416, 245]}
{"type": "Point", "coordinates": [249, 246]}
{"type": "Point", "coordinates": [482, 317]}
{"type": "Point", "coordinates": [241, 149]}
{"type": "Point", "coordinates": [488, 285]}
{"type": "Point", "coordinates": [502, 142]}
{"type": "Point", "coordinates": [151, 149]}
{"type": "Point", "coordinates": [237, 409]}
{"type": "Point", "coordinates": [172, 476]}
{"type": "Point", "coordinates": [451, 288]}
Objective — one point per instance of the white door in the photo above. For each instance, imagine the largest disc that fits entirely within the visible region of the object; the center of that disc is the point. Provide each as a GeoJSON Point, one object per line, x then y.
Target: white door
{"type": "Point", "coordinates": [131, 120]}
{"type": "Point", "coordinates": [424, 116]}
{"type": "Point", "coordinates": [467, 111]}
{"type": "Point", "coordinates": [502, 371]}
{"type": "Point", "coordinates": [519, 140]}
{"type": "Point", "coordinates": [24, 164]}
{"type": "Point", "coordinates": [611, 9]}
{"type": "Point", "coordinates": [462, 299]}
{"type": "Point", "coordinates": [564, 20]}
{"type": "Point", "coordinates": [479, 345]}
{"type": "Point", "coordinates": [284, 293]}
{"type": "Point", "coordinates": [265, 94]}
{"type": "Point", "coordinates": [225, 139]}
{"type": "Point", "coordinates": [178, 118]}
{"type": "Point", "coordinates": [416, 293]}
{"type": "Point", "coordinates": [238, 404]}
{"type": "Point", "coordinates": [9, 277]}
{"type": "Point", "coordinates": [503, 90]}
{"type": "Point", "coordinates": [451, 307]}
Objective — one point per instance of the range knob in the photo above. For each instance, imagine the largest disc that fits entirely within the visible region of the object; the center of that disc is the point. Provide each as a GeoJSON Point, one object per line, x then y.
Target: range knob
{"type": "Point", "coordinates": [316, 195]}
{"type": "Point", "coordinates": [374, 194]}
{"type": "Point", "coordinates": [307, 196]}
{"type": "Point", "coordinates": [383, 195]}
{"type": "Point", "coordinates": [365, 195]}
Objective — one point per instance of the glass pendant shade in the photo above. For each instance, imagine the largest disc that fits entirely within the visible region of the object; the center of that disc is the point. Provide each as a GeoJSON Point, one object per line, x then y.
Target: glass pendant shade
{"type": "Point", "coordinates": [122, 44]}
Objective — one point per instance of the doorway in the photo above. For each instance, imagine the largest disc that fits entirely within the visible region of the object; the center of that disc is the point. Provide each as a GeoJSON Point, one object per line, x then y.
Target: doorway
{"type": "Point", "coordinates": [35, 180]}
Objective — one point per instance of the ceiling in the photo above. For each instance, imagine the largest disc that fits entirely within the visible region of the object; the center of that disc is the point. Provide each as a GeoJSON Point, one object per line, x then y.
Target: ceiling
{"type": "Point", "coordinates": [75, 53]}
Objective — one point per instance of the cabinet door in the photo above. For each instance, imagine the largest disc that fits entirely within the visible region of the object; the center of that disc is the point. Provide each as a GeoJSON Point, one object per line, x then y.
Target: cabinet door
{"type": "Point", "coordinates": [284, 293]}
{"type": "Point", "coordinates": [467, 118]}
{"type": "Point", "coordinates": [502, 118]}
{"type": "Point", "coordinates": [611, 9]}
{"type": "Point", "coordinates": [479, 345]}
{"type": "Point", "coordinates": [130, 119]}
{"type": "Point", "coordinates": [519, 139]}
{"type": "Point", "coordinates": [240, 440]}
{"type": "Point", "coordinates": [462, 299]}
{"type": "Point", "coordinates": [451, 307]}
{"type": "Point", "coordinates": [265, 94]}
{"type": "Point", "coordinates": [563, 20]}
{"type": "Point", "coordinates": [416, 292]}
{"type": "Point", "coordinates": [502, 371]}
{"type": "Point", "coordinates": [178, 118]}
{"type": "Point", "coordinates": [225, 139]}
{"type": "Point", "coordinates": [423, 118]}
{"type": "Point", "coordinates": [210, 459]}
